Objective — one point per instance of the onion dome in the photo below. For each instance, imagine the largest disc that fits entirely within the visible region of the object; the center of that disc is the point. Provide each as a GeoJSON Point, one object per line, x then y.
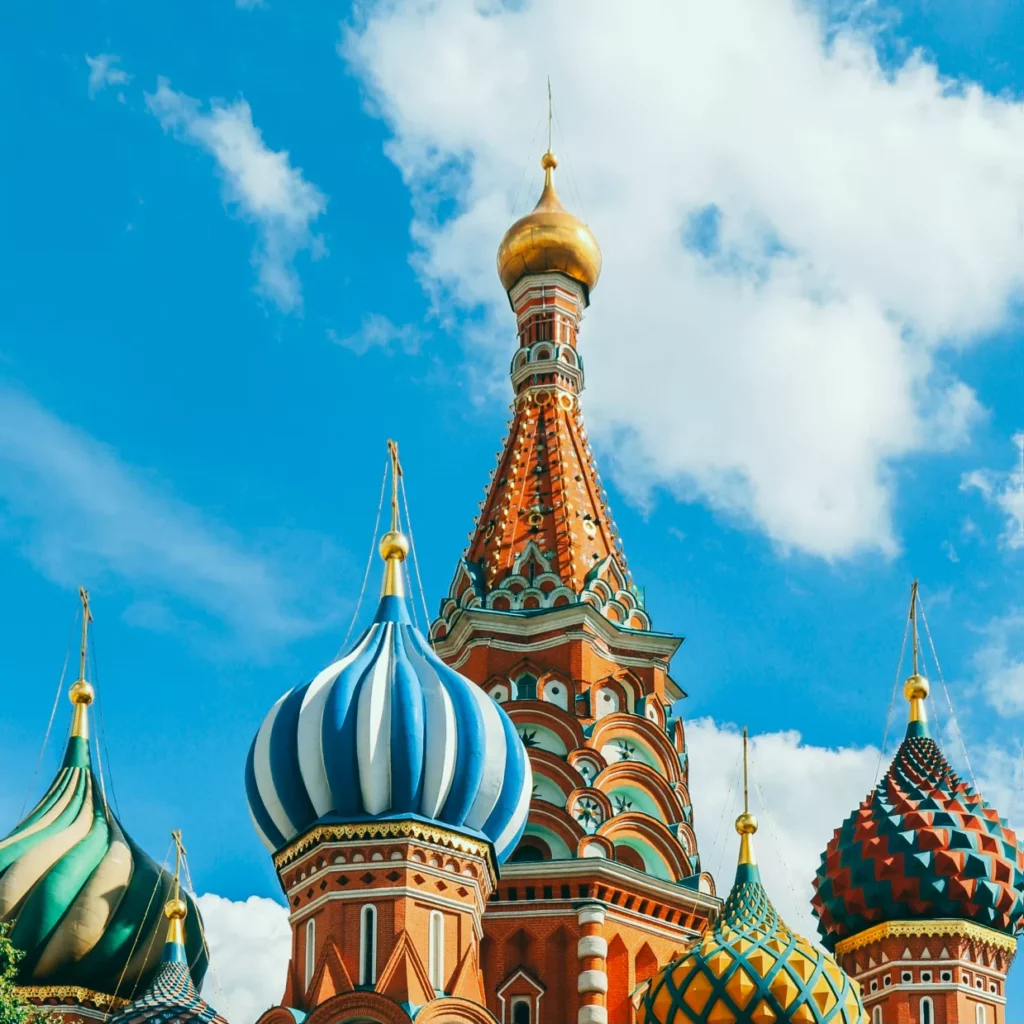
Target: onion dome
{"type": "Point", "coordinates": [171, 997]}
{"type": "Point", "coordinates": [82, 899]}
{"type": "Point", "coordinates": [922, 845]}
{"type": "Point", "coordinates": [389, 731]}
{"type": "Point", "coordinates": [750, 968]}
{"type": "Point", "coordinates": [549, 239]}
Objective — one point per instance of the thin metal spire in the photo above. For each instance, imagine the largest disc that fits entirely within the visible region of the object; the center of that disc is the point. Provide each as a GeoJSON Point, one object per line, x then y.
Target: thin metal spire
{"type": "Point", "coordinates": [551, 113]}
{"type": "Point", "coordinates": [83, 596]}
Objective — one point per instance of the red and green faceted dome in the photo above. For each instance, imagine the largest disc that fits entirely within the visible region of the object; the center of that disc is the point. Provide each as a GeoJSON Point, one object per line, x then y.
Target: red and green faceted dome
{"type": "Point", "coordinates": [922, 845]}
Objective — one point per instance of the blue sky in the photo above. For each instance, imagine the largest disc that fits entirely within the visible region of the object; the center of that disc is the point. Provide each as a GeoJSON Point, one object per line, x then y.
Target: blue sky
{"type": "Point", "coordinates": [245, 244]}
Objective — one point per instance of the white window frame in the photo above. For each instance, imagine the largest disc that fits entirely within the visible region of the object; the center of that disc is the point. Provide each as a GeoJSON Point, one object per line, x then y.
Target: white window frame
{"type": "Point", "coordinates": [368, 930]}
{"type": "Point", "coordinates": [310, 950]}
{"type": "Point", "coordinates": [926, 1002]}
{"type": "Point", "coordinates": [435, 950]}
{"type": "Point", "coordinates": [521, 1001]}
{"type": "Point", "coordinates": [980, 1014]}
{"type": "Point", "coordinates": [876, 1015]}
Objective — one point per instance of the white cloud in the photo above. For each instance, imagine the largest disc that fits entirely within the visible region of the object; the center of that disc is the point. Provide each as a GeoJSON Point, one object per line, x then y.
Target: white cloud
{"type": "Point", "coordinates": [250, 944]}
{"type": "Point", "coordinates": [103, 72]}
{"type": "Point", "coordinates": [79, 513]}
{"type": "Point", "coordinates": [999, 664]}
{"type": "Point", "coordinates": [1004, 491]}
{"type": "Point", "coordinates": [260, 182]}
{"type": "Point", "coordinates": [857, 218]}
{"type": "Point", "coordinates": [378, 332]}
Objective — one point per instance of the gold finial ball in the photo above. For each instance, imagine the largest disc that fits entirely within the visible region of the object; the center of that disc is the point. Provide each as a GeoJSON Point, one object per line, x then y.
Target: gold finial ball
{"type": "Point", "coordinates": [746, 824]}
{"type": "Point", "coordinates": [394, 545]}
{"type": "Point", "coordinates": [81, 692]}
{"type": "Point", "coordinates": [916, 687]}
{"type": "Point", "coordinates": [549, 160]}
{"type": "Point", "coordinates": [175, 910]}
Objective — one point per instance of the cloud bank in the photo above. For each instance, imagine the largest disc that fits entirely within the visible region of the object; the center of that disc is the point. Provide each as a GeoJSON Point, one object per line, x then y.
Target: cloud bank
{"type": "Point", "coordinates": [795, 235]}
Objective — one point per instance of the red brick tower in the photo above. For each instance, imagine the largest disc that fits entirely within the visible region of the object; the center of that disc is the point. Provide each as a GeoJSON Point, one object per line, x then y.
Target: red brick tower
{"type": "Point", "coordinates": [544, 614]}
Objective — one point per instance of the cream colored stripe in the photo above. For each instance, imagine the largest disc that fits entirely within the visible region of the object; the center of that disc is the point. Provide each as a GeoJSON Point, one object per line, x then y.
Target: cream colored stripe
{"type": "Point", "coordinates": [19, 878]}
{"type": "Point", "coordinates": [58, 807]}
{"type": "Point", "coordinates": [87, 918]}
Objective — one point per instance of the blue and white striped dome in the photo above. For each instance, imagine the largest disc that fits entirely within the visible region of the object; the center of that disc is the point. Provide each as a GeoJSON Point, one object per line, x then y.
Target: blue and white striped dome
{"type": "Point", "coordinates": [389, 731]}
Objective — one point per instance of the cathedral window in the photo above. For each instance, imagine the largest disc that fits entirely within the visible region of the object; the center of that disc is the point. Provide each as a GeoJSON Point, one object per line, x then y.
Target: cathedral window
{"type": "Point", "coordinates": [526, 687]}
{"type": "Point", "coordinates": [927, 1014]}
{"type": "Point", "coordinates": [521, 1011]}
{"type": "Point", "coordinates": [435, 956]}
{"type": "Point", "coordinates": [368, 945]}
{"type": "Point", "coordinates": [310, 950]}
{"type": "Point", "coordinates": [876, 1015]}
{"type": "Point", "coordinates": [980, 1016]}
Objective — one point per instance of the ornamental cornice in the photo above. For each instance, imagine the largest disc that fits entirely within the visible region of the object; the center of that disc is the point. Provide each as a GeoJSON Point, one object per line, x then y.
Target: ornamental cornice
{"type": "Point", "coordinates": [403, 829]}
{"type": "Point", "coordinates": [926, 929]}
{"type": "Point", "coordinates": [102, 1000]}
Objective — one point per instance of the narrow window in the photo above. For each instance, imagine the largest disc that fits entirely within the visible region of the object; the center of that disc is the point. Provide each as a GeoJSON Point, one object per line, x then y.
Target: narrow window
{"type": "Point", "coordinates": [927, 1016]}
{"type": "Point", "coordinates": [435, 955]}
{"type": "Point", "coordinates": [526, 688]}
{"type": "Point", "coordinates": [521, 1011]}
{"type": "Point", "coordinates": [876, 1015]}
{"type": "Point", "coordinates": [368, 945]}
{"type": "Point", "coordinates": [980, 1016]}
{"type": "Point", "coordinates": [310, 951]}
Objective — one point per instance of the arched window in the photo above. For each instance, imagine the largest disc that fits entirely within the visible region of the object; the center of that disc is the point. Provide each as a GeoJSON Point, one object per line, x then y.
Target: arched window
{"type": "Point", "coordinates": [435, 956]}
{"type": "Point", "coordinates": [927, 1014]}
{"type": "Point", "coordinates": [310, 950]}
{"type": "Point", "coordinates": [526, 687]}
{"type": "Point", "coordinates": [368, 945]}
{"type": "Point", "coordinates": [521, 1011]}
{"type": "Point", "coordinates": [980, 1016]}
{"type": "Point", "coordinates": [876, 1015]}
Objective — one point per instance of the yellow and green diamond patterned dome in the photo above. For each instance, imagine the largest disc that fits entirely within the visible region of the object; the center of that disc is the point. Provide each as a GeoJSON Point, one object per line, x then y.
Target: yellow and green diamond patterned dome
{"type": "Point", "coordinates": [751, 969]}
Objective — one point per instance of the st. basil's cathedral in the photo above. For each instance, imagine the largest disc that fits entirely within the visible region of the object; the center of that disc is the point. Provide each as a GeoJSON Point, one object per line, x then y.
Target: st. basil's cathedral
{"type": "Point", "coordinates": [493, 823]}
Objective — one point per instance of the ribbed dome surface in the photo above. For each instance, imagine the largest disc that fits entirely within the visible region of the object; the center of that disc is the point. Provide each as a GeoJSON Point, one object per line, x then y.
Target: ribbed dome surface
{"type": "Point", "coordinates": [83, 899]}
{"type": "Point", "coordinates": [923, 844]}
{"type": "Point", "coordinates": [751, 969]}
{"type": "Point", "coordinates": [389, 731]}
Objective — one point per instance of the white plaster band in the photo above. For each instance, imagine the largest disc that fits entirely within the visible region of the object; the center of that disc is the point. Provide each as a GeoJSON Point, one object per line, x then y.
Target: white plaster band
{"type": "Point", "coordinates": [592, 1015]}
{"type": "Point", "coordinates": [591, 945]}
{"type": "Point", "coordinates": [592, 981]}
{"type": "Point", "coordinates": [590, 915]}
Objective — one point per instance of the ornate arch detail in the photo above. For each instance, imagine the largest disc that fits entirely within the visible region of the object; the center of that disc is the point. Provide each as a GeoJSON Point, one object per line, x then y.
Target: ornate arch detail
{"type": "Point", "coordinates": [541, 712]}
{"type": "Point", "coordinates": [655, 835]}
{"type": "Point", "coordinates": [556, 820]}
{"type": "Point", "coordinates": [641, 728]}
{"type": "Point", "coordinates": [593, 843]}
{"type": "Point", "coordinates": [370, 1005]}
{"type": "Point", "coordinates": [651, 708]}
{"type": "Point", "coordinates": [644, 777]}
{"type": "Point", "coordinates": [276, 1015]}
{"type": "Point", "coordinates": [454, 1010]}
{"type": "Point", "coordinates": [589, 756]}
{"type": "Point", "coordinates": [590, 808]}
{"type": "Point", "coordinates": [553, 768]}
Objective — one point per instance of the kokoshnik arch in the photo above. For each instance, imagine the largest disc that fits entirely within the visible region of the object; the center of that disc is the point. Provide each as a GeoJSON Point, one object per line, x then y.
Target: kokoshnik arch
{"type": "Point", "coordinates": [494, 824]}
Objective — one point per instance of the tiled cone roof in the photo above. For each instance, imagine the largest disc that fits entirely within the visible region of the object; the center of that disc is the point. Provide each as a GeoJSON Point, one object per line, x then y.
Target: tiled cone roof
{"type": "Point", "coordinates": [922, 845]}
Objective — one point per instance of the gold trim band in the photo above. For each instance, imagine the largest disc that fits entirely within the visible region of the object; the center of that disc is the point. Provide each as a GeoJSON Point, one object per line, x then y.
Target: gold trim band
{"type": "Point", "coordinates": [383, 830]}
{"type": "Point", "coordinates": [959, 929]}
{"type": "Point", "coordinates": [101, 1000]}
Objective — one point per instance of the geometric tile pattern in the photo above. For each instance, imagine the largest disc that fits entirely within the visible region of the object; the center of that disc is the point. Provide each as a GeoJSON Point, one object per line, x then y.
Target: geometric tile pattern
{"type": "Point", "coordinates": [922, 845]}
{"type": "Point", "coordinates": [751, 969]}
{"type": "Point", "coordinates": [170, 999]}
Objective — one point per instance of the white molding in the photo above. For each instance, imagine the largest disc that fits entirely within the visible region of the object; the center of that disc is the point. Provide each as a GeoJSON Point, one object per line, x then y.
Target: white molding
{"type": "Point", "coordinates": [592, 981]}
{"type": "Point", "coordinates": [592, 1015]}
{"type": "Point", "coordinates": [591, 945]}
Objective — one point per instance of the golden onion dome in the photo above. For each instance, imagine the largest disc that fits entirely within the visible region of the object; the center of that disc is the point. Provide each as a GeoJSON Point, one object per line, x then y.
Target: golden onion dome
{"type": "Point", "coordinates": [549, 239]}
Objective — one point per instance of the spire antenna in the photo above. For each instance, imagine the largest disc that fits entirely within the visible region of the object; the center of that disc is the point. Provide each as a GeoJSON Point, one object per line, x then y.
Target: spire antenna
{"type": "Point", "coordinates": [81, 693]}
{"type": "Point", "coordinates": [915, 689]}
{"type": "Point", "coordinates": [175, 909]}
{"type": "Point", "coordinates": [394, 545]}
{"type": "Point", "coordinates": [913, 622]}
{"type": "Point", "coordinates": [179, 856]}
{"type": "Point", "coordinates": [746, 823]}
{"type": "Point", "coordinates": [551, 113]}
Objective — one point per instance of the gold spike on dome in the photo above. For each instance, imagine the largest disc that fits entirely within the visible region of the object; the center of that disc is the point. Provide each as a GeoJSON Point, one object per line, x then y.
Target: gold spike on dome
{"type": "Point", "coordinates": [549, 239]}
{"type": "Point", "coordinates": [81, 693]}
{"type": "Point", "coordinates": [746, 823]}
{"type": "Point", "coordinates": [394, 545]}
{"type": "Point", "coordinates": [916, 688]}
{"type": "Point", "coordinates": [176, 908]}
